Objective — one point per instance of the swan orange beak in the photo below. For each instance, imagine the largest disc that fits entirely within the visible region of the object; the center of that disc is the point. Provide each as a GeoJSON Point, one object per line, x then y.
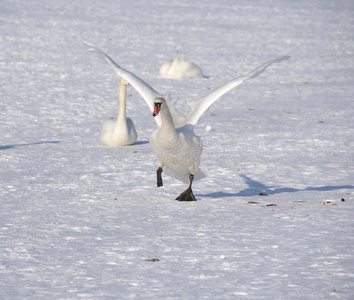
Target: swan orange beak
{"type": "Point", "coordinates": [156, 109]}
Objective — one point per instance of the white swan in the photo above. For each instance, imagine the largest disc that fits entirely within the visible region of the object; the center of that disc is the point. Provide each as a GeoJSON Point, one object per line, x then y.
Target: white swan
{"type": "Point", "coordinates": [174, 142]}
{"type": "Point", "coordinates": [120, 131]}
{"type": "Point", "coordinates": [179, 68]}
{"type": "Point", "coordinates": [178, 150]}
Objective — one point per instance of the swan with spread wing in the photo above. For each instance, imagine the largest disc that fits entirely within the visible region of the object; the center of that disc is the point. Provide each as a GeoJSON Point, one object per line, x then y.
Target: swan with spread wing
{"type": "Point", "coordinates": [177, 148]}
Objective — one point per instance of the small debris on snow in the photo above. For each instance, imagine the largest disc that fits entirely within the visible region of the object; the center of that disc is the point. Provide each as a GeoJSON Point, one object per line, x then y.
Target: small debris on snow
{"type": "Point", "coordinates": [152, 259]}
{"type": "Point", "coordinates": [300, 82]}
{"type": "Point", "coordinates": [298, 201]}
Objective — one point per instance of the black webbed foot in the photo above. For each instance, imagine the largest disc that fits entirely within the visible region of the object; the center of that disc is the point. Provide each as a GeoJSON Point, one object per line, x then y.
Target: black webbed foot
{"type": "Point", "coordinates": [187, 195]}
{"type": "Point", "coordinates": [159, 177]}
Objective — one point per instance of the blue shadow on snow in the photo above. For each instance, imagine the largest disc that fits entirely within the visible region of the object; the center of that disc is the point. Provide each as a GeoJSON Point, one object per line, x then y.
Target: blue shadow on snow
{"type": "Point", "coordinates": [29, 144]}
{"type": "Point", "coordinates": [255, 188]}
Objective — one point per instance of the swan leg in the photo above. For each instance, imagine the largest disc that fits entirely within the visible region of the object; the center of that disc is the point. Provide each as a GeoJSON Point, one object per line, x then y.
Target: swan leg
{"type": "Point", "coordinates": [187, 195]}
{"type": "Point", "coordinates": [159, 177]}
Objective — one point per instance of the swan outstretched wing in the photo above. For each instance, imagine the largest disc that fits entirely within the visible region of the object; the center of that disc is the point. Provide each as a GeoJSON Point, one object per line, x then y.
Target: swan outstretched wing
{"type": "Point", "coordinates": [145, 90]}
{"type": "Point", "coordinates": [200, 106]}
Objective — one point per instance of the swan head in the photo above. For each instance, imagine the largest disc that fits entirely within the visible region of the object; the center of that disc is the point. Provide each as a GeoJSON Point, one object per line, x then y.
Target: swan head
{"type": "Point", "coordinates": [158, 104]}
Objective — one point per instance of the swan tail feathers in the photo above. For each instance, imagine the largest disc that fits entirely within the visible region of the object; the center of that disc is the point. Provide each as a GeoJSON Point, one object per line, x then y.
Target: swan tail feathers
{"type": "Point", "coordinates": [199, 175]}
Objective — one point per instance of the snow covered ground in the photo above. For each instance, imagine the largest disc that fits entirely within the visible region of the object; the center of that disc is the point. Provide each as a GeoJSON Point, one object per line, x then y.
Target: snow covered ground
{"type": "Point", "coordinates": [79, 220]}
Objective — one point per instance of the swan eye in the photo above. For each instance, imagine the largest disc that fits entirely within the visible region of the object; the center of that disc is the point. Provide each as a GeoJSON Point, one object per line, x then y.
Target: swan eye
{"type": "Point", "coordinates": [158, 105]}
{"type": "Point", "coordinates": [156, 109]}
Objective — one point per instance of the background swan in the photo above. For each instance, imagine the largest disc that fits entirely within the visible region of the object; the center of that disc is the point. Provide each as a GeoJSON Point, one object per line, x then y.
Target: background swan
{"type": "Point", "coordinates": [120, 131]}
{"type": "Point", "coordinates": [179, 68]}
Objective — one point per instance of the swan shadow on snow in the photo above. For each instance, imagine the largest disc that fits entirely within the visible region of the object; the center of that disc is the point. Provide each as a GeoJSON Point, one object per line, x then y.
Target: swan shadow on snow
{"type": "Point", "coordinates": [29, 144]}
{"type": "Point", "coordinates": [141, 142]}
{"type": "Point", "coordinates": [255, 188]}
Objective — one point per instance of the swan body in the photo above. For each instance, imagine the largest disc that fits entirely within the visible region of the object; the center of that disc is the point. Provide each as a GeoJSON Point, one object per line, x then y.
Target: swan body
{"type": "Point", "coordinates": [179, 67]}
{"type": "Point", "coordinates": [178, 150]}
{"type": "Point", "coordinates": [120, 131]}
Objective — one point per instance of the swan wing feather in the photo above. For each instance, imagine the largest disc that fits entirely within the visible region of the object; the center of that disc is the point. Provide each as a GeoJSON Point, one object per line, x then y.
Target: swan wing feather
{"type": "Point", "coordinates": [200, 106]}
{"type": "Point", "coordinates": [144, 89]}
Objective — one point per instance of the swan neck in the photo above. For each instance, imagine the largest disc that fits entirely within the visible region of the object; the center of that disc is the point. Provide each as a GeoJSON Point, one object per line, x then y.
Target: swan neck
{"type": "Point", "coordinates": [167, 122]}
{"type": "Point", "coordinates": [121, 101]}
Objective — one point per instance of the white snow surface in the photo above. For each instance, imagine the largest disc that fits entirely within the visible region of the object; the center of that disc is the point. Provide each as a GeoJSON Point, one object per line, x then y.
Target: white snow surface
{"type": "Point", "coordinates": [82, 221]}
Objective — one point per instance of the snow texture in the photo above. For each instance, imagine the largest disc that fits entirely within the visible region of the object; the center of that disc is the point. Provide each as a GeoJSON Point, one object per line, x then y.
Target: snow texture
{"type": "Point", "coordinates": [82, 221]}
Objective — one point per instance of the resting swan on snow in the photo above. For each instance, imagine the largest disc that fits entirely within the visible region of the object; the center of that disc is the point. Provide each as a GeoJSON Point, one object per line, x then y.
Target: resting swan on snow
{"type": "Point", "coordinates": [179, 68]}
{"type": "Point", "coordinates": [120, 131]}
{"type": "Point", "coordinates": [176, 146]}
